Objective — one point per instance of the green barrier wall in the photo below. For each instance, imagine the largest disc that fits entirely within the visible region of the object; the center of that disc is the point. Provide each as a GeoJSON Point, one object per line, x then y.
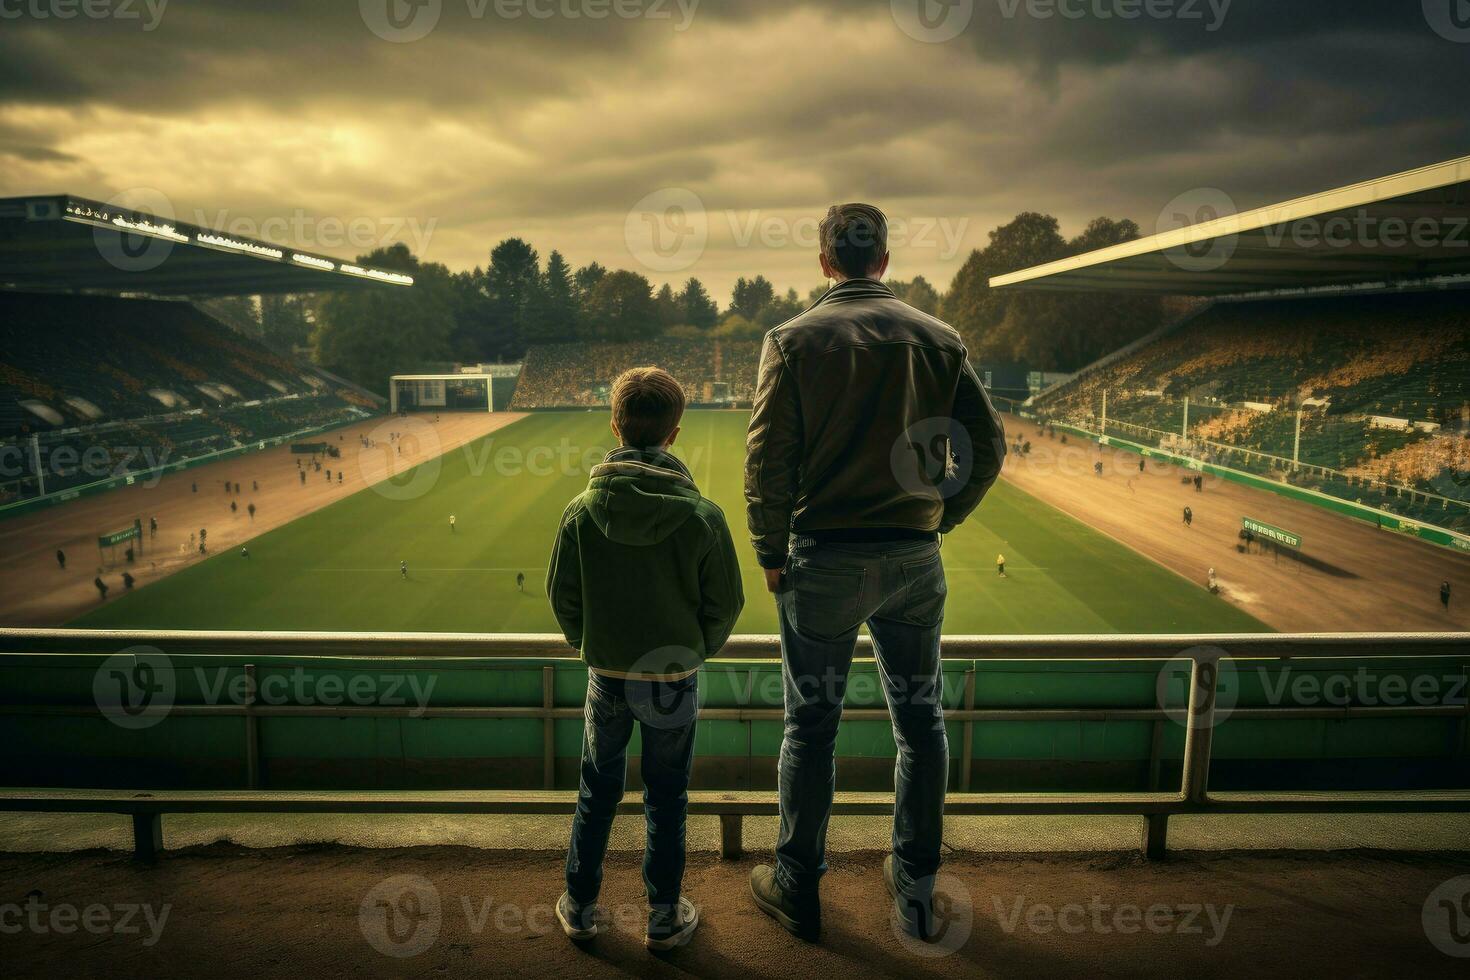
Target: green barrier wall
{"type": "Point", "coordinates": [408, 752]}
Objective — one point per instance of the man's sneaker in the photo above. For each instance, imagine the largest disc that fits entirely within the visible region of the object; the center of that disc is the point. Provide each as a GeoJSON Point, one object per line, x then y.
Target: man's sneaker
{"type": "Point", "coordinates": [800, 916]}
{"type": "Point", "coordinates": [914, 915]}
{"type": "Point", "coordinates": [580, 924]}
{"type": "Point", "coordinates": [669, 932]}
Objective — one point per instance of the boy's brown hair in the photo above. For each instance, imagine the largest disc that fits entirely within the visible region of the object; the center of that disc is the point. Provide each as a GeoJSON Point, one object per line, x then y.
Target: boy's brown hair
{"type": "Point", "coordinates": [647, 404]}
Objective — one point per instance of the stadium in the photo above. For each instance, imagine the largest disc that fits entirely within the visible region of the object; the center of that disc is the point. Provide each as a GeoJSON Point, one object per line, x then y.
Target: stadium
{"type": "Point", "coordinates": [279, 658]}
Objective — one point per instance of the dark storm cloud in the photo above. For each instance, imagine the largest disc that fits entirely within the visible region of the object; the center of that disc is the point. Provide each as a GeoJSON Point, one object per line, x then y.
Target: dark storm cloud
{"type": "Point", "coordinates": [514, 122]}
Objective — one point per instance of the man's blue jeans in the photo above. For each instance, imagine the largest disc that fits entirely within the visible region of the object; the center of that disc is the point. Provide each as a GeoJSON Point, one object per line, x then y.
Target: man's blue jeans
{"type": "Point", "coordinates": [898, 590]}
{"type": "Point", "coordinates": [666, 713]}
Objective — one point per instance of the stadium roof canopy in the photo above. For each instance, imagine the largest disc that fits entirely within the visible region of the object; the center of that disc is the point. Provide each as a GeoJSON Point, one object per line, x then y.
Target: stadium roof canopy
{"type": "Point", "coordinates": [1409, 227]}
{"type": "Point", "coordinates": [73, 245]}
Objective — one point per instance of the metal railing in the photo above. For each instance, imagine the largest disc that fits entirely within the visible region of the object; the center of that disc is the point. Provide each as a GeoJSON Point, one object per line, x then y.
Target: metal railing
{"type": "Point", "coordinates": [1202, 656]}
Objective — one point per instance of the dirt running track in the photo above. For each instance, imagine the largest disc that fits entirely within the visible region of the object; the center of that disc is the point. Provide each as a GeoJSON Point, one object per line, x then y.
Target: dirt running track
{"type": "Point", "coordinates": [1355, 577]}
{"type": "Point", "coordinates": [331, 911]}
{"type": "Point", "coordinates": [35, 591]}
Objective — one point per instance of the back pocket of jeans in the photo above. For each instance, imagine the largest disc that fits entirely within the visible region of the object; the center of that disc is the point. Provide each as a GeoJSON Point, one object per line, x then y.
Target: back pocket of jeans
{"type": "Point", "coordinates": [924, 591]}
{"type": "Point", "coordinates": [825, 602]}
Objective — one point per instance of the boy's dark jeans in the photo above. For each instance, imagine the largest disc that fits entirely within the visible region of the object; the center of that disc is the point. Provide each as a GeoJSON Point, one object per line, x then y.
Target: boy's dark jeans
{"type": "Point", "coordinates": [898, 590]}
{"type": "Point", "coordinates": [666, 713]}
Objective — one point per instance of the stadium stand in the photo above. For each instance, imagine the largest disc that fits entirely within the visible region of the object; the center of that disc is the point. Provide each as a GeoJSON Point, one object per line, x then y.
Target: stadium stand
{"type": "Point", "coordinates": [579, 375]}
{"type": "Point", "coordinates": [1382, 382]}
{"type": "Point", "coordinates": [97, 387]}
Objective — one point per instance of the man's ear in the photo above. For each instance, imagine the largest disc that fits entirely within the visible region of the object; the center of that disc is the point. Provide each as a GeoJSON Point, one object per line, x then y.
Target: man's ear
{"type": "Point", "coordinates": [827, 269]}
{"type": "Point", "coordinates": [882, 267]}
{"type": "Point", "coordinates": [672, 436]}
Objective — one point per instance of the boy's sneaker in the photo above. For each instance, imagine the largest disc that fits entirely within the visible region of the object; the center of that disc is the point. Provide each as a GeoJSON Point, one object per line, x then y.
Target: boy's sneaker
{"type": "Point", "coordinates": [799, 915]}
{"type": "Point", "coordinates": [580, 924]}
{"type": "Point", "coordinates": [667, 931]}
{"type": "Point", "coordinates": [914, 915]}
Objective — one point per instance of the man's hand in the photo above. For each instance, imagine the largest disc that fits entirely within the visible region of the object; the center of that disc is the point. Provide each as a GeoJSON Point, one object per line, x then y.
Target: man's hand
{"type": "Point", "coordinates": [773, 579]}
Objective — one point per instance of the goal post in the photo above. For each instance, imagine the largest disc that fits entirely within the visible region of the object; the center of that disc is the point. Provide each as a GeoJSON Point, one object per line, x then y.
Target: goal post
{"type": "Point", "coordinates": [484, 391]}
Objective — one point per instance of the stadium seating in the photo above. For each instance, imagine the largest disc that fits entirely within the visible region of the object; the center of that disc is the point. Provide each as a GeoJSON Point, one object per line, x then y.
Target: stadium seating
{"type": "Point", "coordinates": [99, 387]}
{"type": "Point", "coordinates": [579, 375]}
{"type": "Point", "coordinates": [1383, 382]}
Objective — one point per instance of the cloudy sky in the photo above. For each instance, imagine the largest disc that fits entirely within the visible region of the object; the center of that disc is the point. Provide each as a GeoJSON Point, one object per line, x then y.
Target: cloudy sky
{"type": "Point", "coordinates": [704, 137]}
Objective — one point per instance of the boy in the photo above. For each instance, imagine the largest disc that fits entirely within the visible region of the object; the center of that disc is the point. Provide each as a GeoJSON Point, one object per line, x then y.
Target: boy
{"type": "Point", "coordinates": [644, 581]}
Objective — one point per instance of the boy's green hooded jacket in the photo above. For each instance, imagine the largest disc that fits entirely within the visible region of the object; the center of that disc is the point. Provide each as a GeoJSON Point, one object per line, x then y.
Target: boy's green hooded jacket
{"type": "Point", "coordinates": [643, 578]}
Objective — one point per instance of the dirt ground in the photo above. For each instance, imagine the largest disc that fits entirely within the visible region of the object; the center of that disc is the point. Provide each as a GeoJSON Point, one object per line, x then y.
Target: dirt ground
{"type": "Point", "coordinates": [1351, 577]}
{"type": "Point", "coordinates": [36, 591]}
{"type": "Point", "coordinates": [330, 911]}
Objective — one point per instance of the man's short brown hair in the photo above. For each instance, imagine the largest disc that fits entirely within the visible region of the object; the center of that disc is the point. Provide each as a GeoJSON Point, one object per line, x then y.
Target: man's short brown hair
{"type": "Point", "coordinates": [854, 238]}
{"type": "Point", "coordinates": [647, 404]}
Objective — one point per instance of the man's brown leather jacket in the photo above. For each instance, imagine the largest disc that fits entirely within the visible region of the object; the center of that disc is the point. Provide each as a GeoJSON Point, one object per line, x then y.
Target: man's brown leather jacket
{"type": "Point", "coordinates": [867, 415]}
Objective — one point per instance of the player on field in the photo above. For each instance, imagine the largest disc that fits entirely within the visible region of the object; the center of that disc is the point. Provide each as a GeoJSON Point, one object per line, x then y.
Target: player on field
{"type": "Point", "coordinates": [1444, 594]}
{"type": "Point", "coordinates": [101, 587]}
{"type": "Point", "coordinates": [1000, 565]}
{"type": "Point", "coordinates": [61, 559]}
{"type": "Point", "coordinates": [520, 581]}
{"type": "Point", "coordinates": [403, 569]}
{"type": "Point", "coordinates": [451, 523]}
{"type": "Point", "coordinates": [1188, 517]}
{"type": "Point", "coordinates": [244, 552]}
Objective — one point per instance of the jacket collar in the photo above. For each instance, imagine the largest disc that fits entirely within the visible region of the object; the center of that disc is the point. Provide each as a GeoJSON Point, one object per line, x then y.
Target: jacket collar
{"type": "Point", "coordinates": [632, 461]}
{"type": "Point", "coordinates": [861, 288]}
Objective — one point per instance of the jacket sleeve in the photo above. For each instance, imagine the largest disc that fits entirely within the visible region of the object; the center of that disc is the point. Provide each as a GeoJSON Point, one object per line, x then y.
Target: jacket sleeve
{"type": "Point", "coordinates": [772, 457]}
{"type": "Point", "coordinates": [564, 580]}
{"type": "Point", "coordinates": [722, 596]}
{"type": "Point", "coordinates": [985, 454]}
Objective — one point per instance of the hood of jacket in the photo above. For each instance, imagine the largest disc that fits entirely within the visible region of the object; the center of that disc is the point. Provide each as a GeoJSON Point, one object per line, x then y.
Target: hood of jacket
{"type": "Point", "coordinates": [639, 496]}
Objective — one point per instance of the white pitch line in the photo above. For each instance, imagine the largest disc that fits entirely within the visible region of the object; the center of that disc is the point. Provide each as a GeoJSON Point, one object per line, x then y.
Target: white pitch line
{"type": "Point", "coordinates": [420, 568]}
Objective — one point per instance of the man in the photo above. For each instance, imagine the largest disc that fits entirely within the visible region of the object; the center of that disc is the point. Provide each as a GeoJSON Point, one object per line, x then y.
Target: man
{"type": "Point", "coordinates": [101, 587]}
{"type": "Point", "coordinates": [451, 523]}
{"type": "Point", "coordinates": [1188, 517]}
{"type": "Point", "coordinates": [871, 435]}
{"type": "Point", "coordinates": [61, 559]}
{"type": "Point", "coordinates": [403, 569]}
{"type": "Point", "coordinates": [1444, 594]}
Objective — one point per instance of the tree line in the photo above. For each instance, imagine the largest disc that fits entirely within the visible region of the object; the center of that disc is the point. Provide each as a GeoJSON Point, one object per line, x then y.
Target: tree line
{"type": "Point", "coordinates": [496, 312]}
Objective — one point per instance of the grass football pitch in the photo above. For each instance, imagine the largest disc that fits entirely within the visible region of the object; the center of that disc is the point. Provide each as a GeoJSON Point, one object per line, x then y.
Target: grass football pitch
{"type": "Point", "coordinates": [338, 569]}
